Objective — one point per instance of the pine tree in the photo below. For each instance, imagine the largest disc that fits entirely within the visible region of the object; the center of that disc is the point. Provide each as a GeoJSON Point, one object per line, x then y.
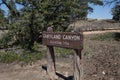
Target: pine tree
{"type": "Point", "coordinates": [116, 9]}
{"type": "Point", "coordinates": [27, 23]}
{"type": "Point", "coordinates": [3, 20]}
{"type": "Point", "coordinates": [116, 12]}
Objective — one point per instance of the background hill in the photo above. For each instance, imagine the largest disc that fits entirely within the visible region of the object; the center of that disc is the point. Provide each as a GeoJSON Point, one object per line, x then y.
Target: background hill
{"type": "Point", "coordinates": [97, 24]}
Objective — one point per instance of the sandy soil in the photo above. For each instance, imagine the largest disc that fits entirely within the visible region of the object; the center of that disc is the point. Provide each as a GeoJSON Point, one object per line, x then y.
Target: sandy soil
{"type": "Point", "coordinates": [35, 71]}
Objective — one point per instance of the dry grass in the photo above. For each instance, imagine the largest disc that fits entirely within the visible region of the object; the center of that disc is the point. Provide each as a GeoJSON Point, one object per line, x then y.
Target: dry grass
{"type": "Point", "coordinates": [97, 25]}
{"type": "Point", "coordinates": [101, 59]}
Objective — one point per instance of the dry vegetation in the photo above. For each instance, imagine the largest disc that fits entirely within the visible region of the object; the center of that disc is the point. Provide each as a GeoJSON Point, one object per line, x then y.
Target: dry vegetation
{"type": "Point", "coordinates": [92, 25]}
{"type": "Point", "coordinates": [101, 58]}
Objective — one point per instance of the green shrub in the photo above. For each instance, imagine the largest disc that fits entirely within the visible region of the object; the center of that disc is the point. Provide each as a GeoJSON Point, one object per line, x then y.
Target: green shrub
{"type": "Point", "coordinates": [8, 57]}
{"type": "Point", "coordinates": [26, 58]}
{"type": "Point", "coordinates": [35, 46]}
{"type": "Point", "coordinates": [5, 40]}
{"type": "Point", "coordinates": [107, 36]}
{"type": "Point", "coordinates": [31, 57]}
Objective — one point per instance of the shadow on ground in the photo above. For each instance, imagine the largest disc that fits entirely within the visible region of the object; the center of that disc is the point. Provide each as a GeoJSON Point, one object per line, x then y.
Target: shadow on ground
{"type": "Point", "coordinates": [59, 75]}
{"type": "Point", "coordinates": [117, 36]}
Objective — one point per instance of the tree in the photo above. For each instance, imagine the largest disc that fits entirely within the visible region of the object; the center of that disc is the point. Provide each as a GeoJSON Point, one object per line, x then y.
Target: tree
{"type": "Point", "coordinates": [3, 21]}
{"type": "Point", "coordinates": [116, 12]}
{"type": "Point", "coordinates": [36, 15]}
{"type": "Point", "coordinates": [116, 9]}
{"type": "Point", "coordinates": [109, 2]}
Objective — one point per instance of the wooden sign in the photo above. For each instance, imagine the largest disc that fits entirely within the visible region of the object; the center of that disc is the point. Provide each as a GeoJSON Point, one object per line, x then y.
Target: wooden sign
{"type": "Point", "coordinates": [71, 40]}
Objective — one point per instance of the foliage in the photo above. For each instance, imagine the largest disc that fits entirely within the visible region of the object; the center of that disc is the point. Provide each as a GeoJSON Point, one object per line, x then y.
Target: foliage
{"type": "Point", "coordinates": [29, 58]}
{"type": "Point", "coordinates": [109, 2]}
{"type": "Point", "coordinates": [107, 36]}
{"type": "Point", "coordinates": [3, 20]}
{"type": "Point", "coordinates": [4, 42]}
{"type": "Point", "coordinates": [116, 8]}
{"type": "Point", "coordinates": [8, 57]}
{"type": "Point", "coordinates": [116, 12]}
{"type": "Point", "coordinates": [35, 46]}
{"type": "Point", "coordinates": [26, 58]}
{"type": "Point", "coordinates": [27, 23]}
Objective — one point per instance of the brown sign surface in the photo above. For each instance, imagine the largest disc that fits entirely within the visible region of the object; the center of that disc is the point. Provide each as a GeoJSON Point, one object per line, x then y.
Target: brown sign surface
{"type": "Point", "coordinates": [71, 40]}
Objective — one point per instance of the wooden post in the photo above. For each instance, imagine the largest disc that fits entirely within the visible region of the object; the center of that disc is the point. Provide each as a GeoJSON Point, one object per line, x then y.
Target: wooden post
{"type": "Point", "coordinates": [51, 68]}
{"type": "Point", "coordinates": [77, 65]}
{"type": "Point", "coordinates": [77, 61]}
{"type": "Point", "coordinates": [74, 41]}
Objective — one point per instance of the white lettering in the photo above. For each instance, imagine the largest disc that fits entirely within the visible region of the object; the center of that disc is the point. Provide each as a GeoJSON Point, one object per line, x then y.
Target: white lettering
{"type": "Point", "coordinates": [71, 37]}
{"type": "Point", "coordinates": [52, 36]}
{"type": "Point", "coordinates": [66, 43]}
{"type": "Point", "coordinates": [56, 37]}
{"type": "Point", "coordinates": [62, 37]}
{"type": "Point", "coordinates": [56, 42]}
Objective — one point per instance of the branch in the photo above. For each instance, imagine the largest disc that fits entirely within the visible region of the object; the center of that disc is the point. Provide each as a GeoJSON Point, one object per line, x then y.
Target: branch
{"type": "Point", "coordinates": [111, 2]}
{"type": "Point", "coordinates": [11, 9]}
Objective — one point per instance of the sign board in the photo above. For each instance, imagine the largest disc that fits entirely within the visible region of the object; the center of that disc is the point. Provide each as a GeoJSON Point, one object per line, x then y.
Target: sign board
{"type": "Point", "coordinates": [73, 40]}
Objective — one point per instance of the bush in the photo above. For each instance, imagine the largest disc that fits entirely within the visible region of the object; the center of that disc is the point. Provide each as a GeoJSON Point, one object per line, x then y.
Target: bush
{"type": "Point", "coordinates": [26, 58]}
{"type": "Point", "coordinates": [29, 58]}
{"type": "Point", "coordinates": [107, 36]}
{"type": "Point", "coordinates": [5, 40]}
{"type": "Point", "coordinates": [8, 57]}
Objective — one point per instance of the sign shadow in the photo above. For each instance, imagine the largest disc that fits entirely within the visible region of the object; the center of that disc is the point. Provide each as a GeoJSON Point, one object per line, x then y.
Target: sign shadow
{"type": "Point", "coordinates": [59, 75]}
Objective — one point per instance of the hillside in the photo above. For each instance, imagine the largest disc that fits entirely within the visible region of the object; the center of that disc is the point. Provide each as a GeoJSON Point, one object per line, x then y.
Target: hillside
{"type": "Point", "coordinates": [94, 24]}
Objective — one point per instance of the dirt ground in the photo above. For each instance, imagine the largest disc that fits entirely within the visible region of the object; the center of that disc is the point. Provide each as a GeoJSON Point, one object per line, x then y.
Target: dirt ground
{"type": "Point", "coordinates": [101, 61]}
{"type": "Point", "coordinates": [35, 71]}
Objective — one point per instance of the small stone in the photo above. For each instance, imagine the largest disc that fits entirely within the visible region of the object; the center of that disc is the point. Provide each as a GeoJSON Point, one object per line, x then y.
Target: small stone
{"type": "Point", "coordinates": [115, 63]}
{"type": "Point", "coordinates": [94, 75]}
{"type": "Point", "coordinates": [66, 74]}
{"type": "Point", "coordinates": [103, 73]}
